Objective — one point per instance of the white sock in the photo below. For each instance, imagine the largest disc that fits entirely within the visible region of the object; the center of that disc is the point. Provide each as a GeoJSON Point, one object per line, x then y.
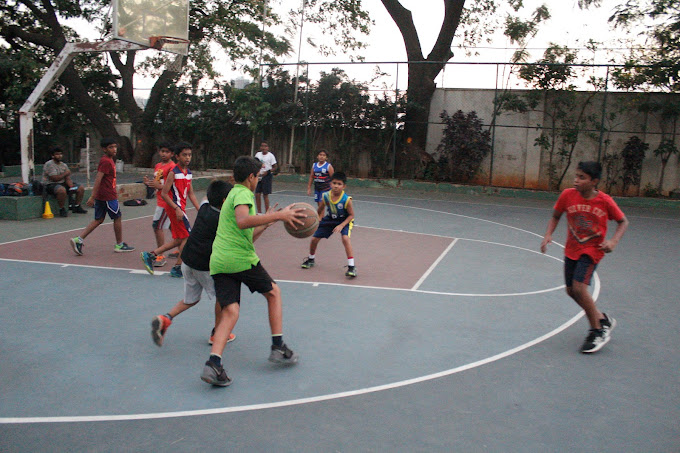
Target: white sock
{"type": "Point", "coordinates": [311, 257]}
{"type": "Point", "coordinates": [350, 261]}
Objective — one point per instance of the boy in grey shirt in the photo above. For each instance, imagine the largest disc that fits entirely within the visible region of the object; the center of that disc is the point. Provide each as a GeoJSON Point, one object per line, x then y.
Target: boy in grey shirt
{"type": "Point", "coordinates": [57, 181]}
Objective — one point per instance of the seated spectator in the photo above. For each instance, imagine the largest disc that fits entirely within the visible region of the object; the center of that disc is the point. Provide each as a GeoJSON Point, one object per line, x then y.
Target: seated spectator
{"type": "Point", "coordinates": [58, 182]}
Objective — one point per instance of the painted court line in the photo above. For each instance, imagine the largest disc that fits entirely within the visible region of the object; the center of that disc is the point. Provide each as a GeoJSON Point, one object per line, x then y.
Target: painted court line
{"type": "Point", "coordinates": [299, 401]}
{"type": "Point", "coordinates": [302, 282]}
{"type": "Point", "coordinates": [319, 398]}
{"type": "Point", "coordinates": [434, 265]}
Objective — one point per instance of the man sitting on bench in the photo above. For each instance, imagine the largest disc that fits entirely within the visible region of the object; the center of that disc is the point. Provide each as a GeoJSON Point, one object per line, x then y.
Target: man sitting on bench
{"type": "Point", "coordinates": [58, 182]}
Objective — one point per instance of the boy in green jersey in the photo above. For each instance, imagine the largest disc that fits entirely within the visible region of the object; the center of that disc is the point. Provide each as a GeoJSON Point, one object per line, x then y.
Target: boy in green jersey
{"type": "Point", "coordinates": [234, 261]}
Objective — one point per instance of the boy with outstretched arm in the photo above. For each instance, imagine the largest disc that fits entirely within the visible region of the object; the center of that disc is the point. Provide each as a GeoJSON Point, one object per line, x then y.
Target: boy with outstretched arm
{"type": "Point", "coordinates": [176, 190]}
{"type": "Point", "coordinates": [161, 221]}
{"type": "Point", "coordinates": [340, 219]}
{"type": "Point", "coordinates": [234, 261]}
{"type": "Point", "coordinates": [104, 199]}
{"type": "Point", "coordinates": [588, 211]}
{"type": "Point", "coordinates": [196, 262]}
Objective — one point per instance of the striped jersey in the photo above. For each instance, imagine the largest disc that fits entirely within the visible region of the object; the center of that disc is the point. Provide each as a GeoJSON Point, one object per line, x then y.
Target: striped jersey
{"type": "Point", "coordinates": [322, 180]}
{"type": "Point", "coordinates": [161, 171]}
{"type": "Point", "coordinates": [337, 210]}
{"type": "Point", "coordinates": [180, 188]}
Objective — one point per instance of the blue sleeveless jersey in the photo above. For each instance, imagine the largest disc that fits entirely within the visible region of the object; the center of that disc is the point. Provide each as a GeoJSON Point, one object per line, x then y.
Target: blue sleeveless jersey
{"type": "Point", "coordinates": [322, 180]}
{"type": "Point", "coordinates": [336, 210]}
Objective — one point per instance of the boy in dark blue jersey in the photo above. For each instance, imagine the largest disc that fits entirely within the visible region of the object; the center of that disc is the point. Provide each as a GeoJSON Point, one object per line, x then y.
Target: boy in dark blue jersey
{"type": "Point", "coordinates": [340, 219]}
{"type": "Point", "coordinates": [196, 261]}
{"type": "Point", "coordinates": [320, 176]}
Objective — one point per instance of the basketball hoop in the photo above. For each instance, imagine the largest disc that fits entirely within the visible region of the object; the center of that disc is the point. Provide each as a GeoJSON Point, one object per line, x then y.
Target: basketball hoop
{"type": "Point", "coordinates": [175, 65]}
{"type": "Point", "coordinates": [157, 42]}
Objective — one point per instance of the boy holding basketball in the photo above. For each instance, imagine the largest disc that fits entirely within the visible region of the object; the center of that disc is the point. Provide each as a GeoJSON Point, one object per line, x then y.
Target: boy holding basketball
{"type": "Point", "coordinates": [196, 262]}
{"type": "Point", "coordinates": [234, 261]}
{"type": "Point", "coordinates": [340, 219]}
{"type": "Point", "coordinates": [588, 211]}
{"type": "Point", "coordinates": [321, 177]}
{"type": "Point", "coordinates": [176, 190]}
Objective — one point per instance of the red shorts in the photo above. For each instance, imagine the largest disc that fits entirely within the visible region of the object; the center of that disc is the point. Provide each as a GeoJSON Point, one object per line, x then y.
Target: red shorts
{"type": "Point", "coordinates": [180, 229]}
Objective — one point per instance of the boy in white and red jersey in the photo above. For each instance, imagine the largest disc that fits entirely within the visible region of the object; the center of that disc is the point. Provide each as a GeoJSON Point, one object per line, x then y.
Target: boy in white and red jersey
{"type": "Point", "coordinates": [161, 221]}
{"type": "Point", "coordinates": [176, 190]}
{"type": "Point", "coordinates": [588, 211]}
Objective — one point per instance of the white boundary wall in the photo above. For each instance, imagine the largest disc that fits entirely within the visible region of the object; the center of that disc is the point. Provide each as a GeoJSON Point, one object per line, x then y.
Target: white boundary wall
{"type": "Point", "coordinates": [518, 163]}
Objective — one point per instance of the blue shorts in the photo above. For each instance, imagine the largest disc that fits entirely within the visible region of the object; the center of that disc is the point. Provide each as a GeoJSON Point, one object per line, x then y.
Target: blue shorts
{"type": "Point", "coordinates": [319, 191]}
{"type": "Point", "coordinates": [581, 271]}
{"type": "Point", "coordinates": [327, 225]}
{"type": "Point", "coordinates": [101, 207]}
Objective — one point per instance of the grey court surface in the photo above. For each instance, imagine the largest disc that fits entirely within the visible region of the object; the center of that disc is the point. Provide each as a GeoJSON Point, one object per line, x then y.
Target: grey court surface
{"type": "Point", "coordinates": [456, 336]}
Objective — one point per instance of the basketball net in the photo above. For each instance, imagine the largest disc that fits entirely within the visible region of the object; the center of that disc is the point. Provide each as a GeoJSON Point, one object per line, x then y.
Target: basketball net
{"type": "Point", "coordinates": [158, 42]}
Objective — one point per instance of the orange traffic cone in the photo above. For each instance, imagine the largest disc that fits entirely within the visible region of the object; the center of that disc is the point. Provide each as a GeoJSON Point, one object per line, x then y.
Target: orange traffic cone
{"type": "Point", "coordinates": [48, 211]}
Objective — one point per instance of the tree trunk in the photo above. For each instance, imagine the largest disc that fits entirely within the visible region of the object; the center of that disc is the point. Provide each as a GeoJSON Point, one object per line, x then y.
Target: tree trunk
{"type": "Point", "coordinates": [422, 72]}
{"type": "Point", "coordinates": [93, 111]}
{"type": "Point", "coordinates": [143, 120]}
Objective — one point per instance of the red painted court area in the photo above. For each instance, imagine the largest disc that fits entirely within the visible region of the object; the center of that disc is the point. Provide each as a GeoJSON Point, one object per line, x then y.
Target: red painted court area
{"type": "Point", "coordinates": [388, 259]}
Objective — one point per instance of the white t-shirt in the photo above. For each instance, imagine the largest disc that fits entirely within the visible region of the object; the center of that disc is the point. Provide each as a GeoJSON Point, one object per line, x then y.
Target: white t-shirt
{"type": "Point", "coordinates": [267, 159]}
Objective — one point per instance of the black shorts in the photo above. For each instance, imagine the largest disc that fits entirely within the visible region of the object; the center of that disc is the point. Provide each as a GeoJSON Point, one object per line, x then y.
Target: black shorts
{"type": "Point", "coordinates": [264, 185]}
{"type": "Point", "coordinates": [228, 286]}
{"type": "Point", "coordinates": [581, 271]}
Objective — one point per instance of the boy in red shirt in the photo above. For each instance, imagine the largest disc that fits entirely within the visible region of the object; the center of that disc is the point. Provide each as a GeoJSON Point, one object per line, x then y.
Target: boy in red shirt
{"type": "Point", "coordinates": [176, 190]}
{"type": "Point", "coordinates": [104, 198]}
{"type": "Point", "coordinates": [161, 221]}
{"type": "Point", "coordinates": [588, 211]}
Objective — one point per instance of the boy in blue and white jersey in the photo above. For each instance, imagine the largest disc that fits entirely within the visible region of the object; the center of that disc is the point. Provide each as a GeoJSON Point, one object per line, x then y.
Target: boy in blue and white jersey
{"type": "Point", "coordinates": [340, 219]}
{"type": "Point", "coordinates": [321, 177]}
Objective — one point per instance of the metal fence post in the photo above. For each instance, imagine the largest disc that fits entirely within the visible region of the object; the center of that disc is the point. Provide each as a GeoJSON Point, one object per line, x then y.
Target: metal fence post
{"type": "Point", "coordinates": [604, 112]}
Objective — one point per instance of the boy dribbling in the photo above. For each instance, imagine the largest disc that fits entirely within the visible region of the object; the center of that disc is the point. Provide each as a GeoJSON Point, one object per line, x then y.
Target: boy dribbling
{"type": "Point", "coordinates": [340, 219]}
{"type": "Point", "coordinates": [588, 211]}
{"type": "Point", "coordinates": [234, 261]}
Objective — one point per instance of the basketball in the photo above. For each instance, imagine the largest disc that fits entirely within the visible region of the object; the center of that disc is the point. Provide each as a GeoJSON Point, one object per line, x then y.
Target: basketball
{"type": "Point", "coordinates": [310, 225]}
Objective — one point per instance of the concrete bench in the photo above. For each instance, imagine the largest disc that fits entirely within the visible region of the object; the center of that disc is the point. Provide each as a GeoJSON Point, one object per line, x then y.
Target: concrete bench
{"type": "Point", "coordinates": [32, 207]}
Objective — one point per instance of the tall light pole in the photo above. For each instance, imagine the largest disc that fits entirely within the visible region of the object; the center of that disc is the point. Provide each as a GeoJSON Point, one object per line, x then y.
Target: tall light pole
{"type": "Point", "coordinates": [259, 72]}
{"type": "Point", "coordinates": [295, 92]}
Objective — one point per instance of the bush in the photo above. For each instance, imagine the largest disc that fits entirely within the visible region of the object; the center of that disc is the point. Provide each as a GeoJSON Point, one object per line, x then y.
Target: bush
{"type": "Point", "coordinates": [633, 154]}
{"type": "Point", "coordinates": [465, 143]}
{"type": "Point", "coordinates": [650, 191]}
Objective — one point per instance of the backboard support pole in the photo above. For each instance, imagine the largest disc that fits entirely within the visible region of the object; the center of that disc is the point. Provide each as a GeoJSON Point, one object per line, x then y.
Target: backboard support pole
{"type": "Point", "coordinates": [27, 111]}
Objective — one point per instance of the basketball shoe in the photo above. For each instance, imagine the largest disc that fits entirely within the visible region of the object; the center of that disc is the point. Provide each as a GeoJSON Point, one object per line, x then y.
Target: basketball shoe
{"type": "Point", "coordinates": [159, 326]}
{"type": "Point", "coordinates": [160, 261]}
{"type": "Point", "coordinates": [351, 272]}
{"type": "Point", "coordinates": [176, 271]}
{"type": "Point", "coordinates": [211, 340]}
{"type": "Point", "coordinates": [595, 340]}
{"type": "Point", "coordinates": [77, 245]}
{"type": "Point", "coordinates": [215, 375]}
{"type": "Point", "coordinates": [307, 263]}
{"type": "Point", "coordinates": [607, 324]}
{"type": "Point", "coordinates": [148, 258]}
{"type": "Point", "coordinates": [283, 354]}
{"type": "Point", "coordinates": [123, 247]}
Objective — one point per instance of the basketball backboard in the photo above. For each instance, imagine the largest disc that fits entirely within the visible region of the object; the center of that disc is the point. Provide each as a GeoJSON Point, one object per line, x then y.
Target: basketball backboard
{"type": "Point", "coordinates": [154, 23]}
